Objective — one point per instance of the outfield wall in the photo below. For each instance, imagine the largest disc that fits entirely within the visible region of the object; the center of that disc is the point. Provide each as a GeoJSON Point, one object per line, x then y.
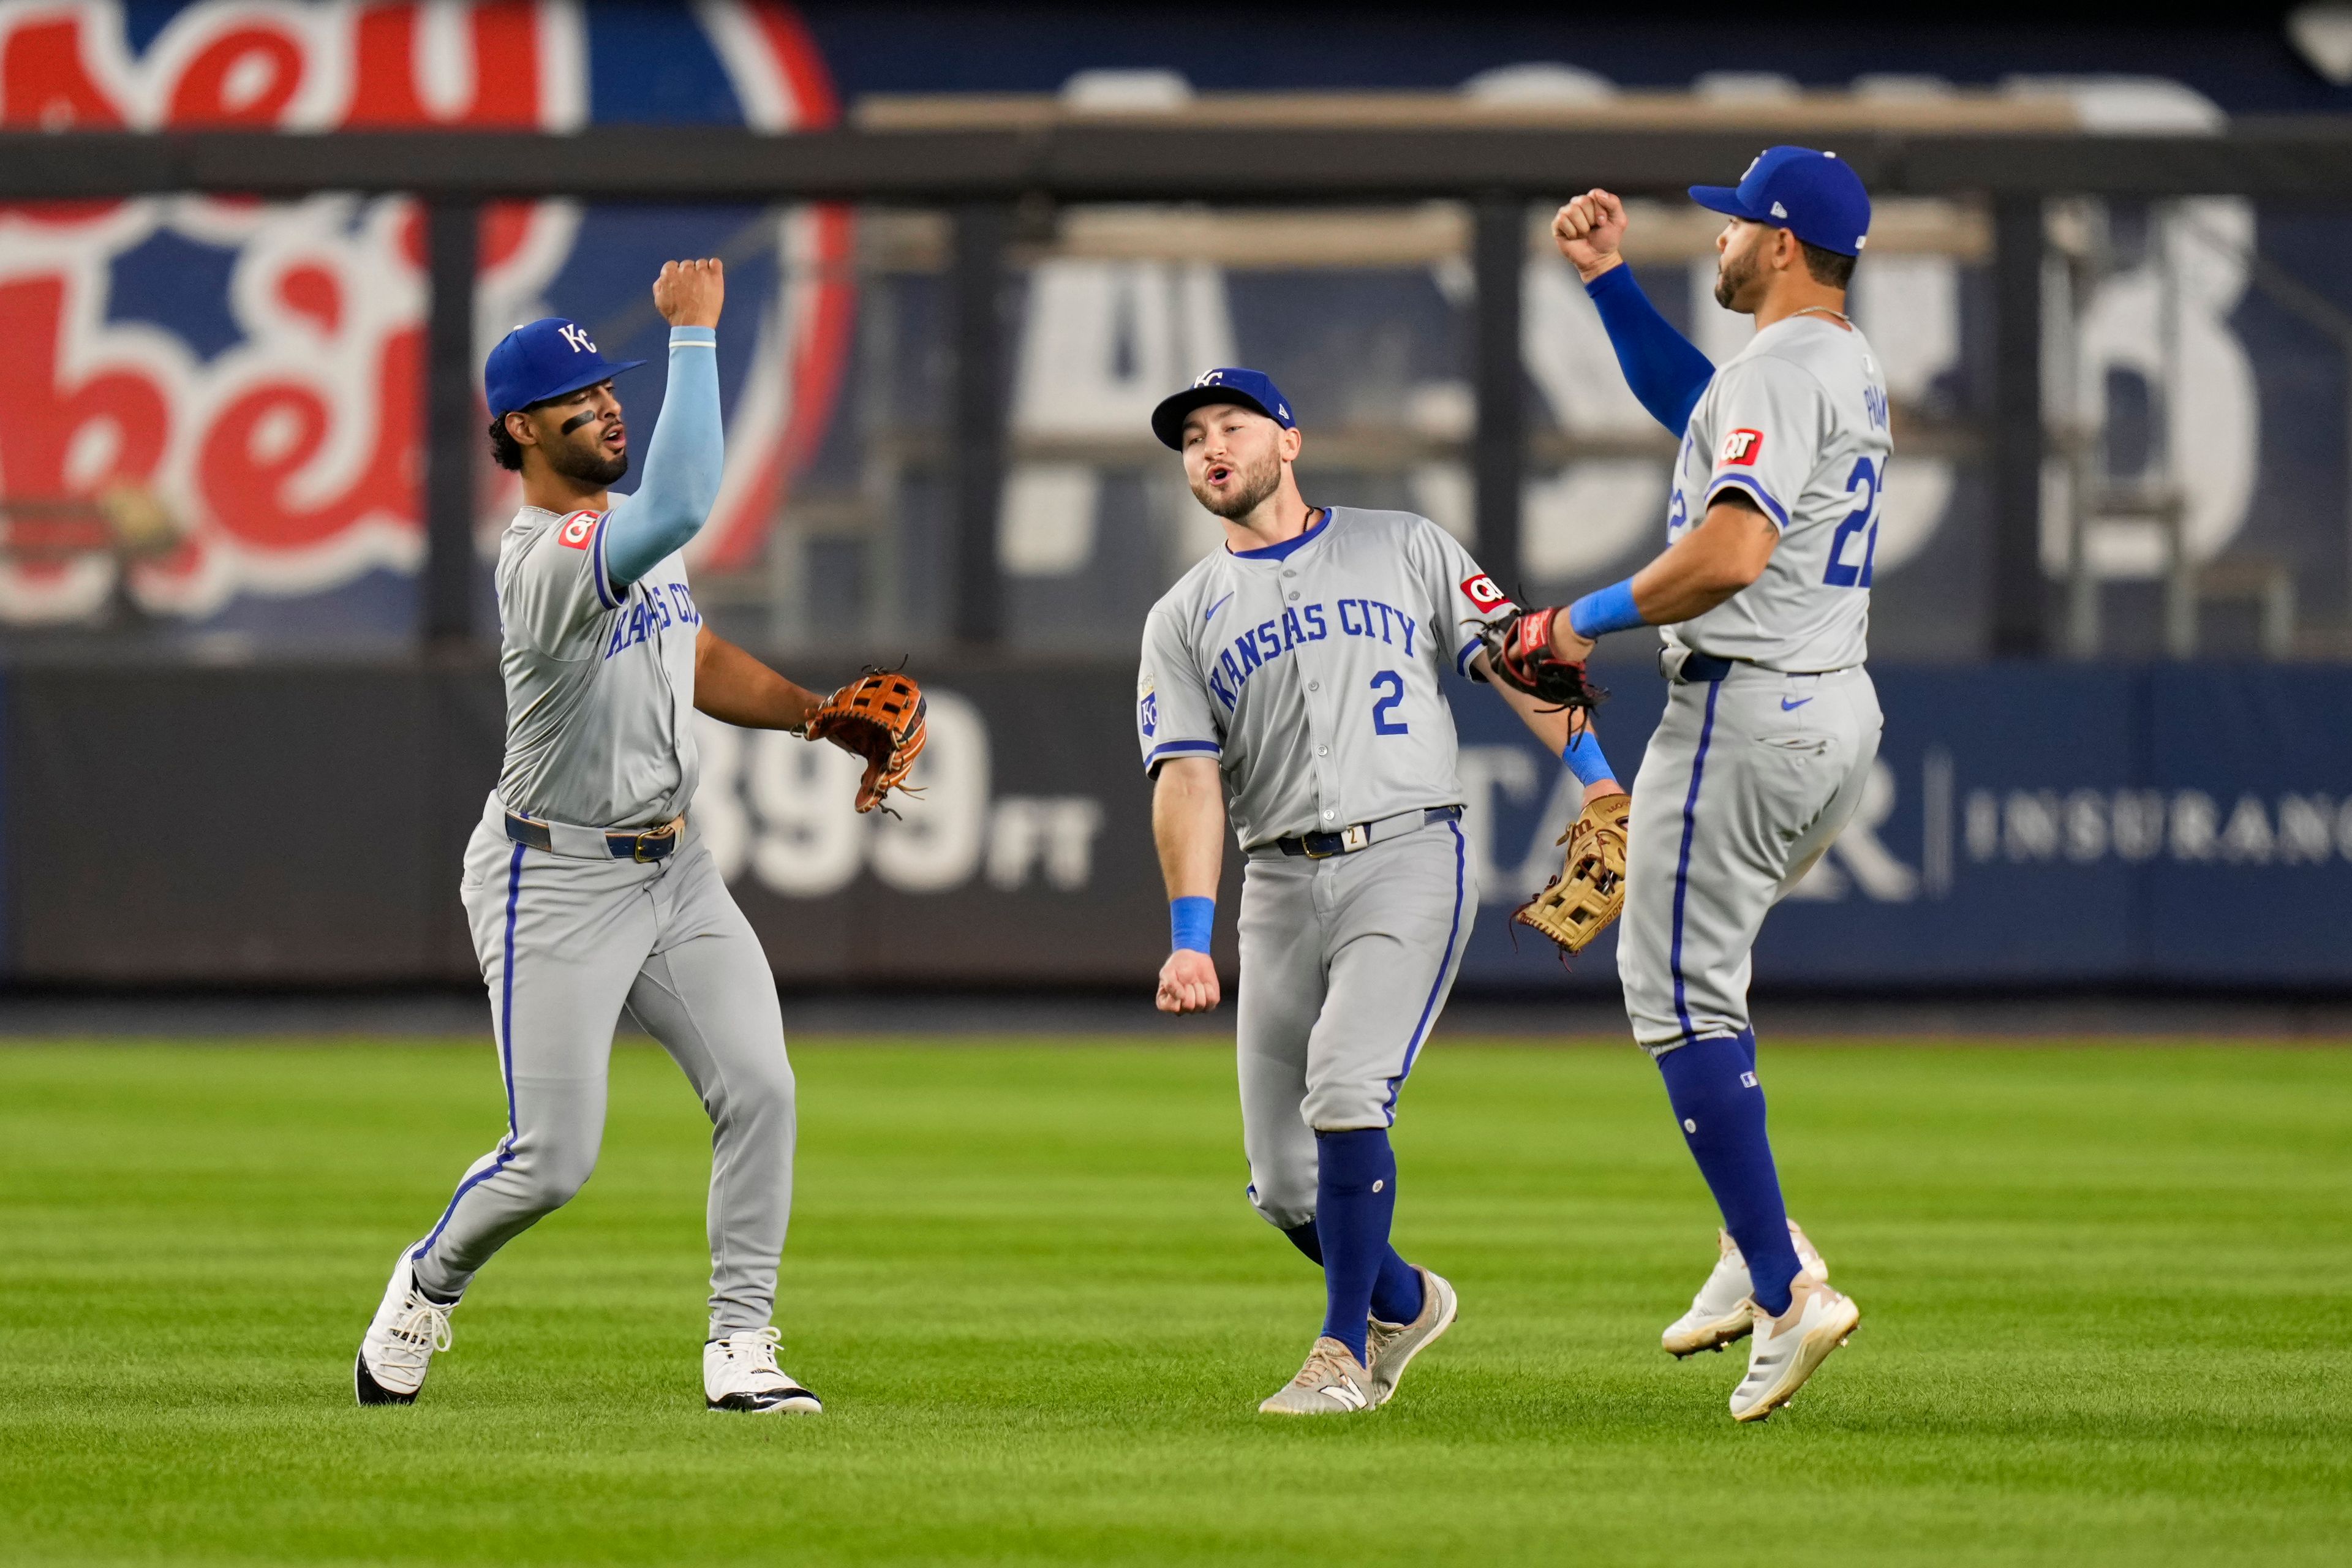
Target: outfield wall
{"type": "Point", "coordinates": [302, 825]}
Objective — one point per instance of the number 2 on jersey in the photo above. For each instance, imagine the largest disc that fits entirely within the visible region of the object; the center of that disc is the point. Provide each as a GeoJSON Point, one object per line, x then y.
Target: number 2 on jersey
{"type": "Point", "coordinates": [1862, 520]}
{"type": "Point", "coordinates": [1390, 681]}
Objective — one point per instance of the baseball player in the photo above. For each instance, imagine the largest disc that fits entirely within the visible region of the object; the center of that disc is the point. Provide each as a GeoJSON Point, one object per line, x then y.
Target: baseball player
{"type": "Point", "coordinates": [1763, 597]}
{"type": "Point", "coordinates": [1290, 687]}
{"type": "Point", "coordinates": [587, 890]}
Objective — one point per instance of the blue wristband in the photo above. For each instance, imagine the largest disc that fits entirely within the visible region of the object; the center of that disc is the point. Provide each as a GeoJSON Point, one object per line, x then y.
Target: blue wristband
{"type": "Point", "coordinates": [1584, 760]}
{"type": "Point", "coordinates": [1189, 921]}
{"type": "Point", "coordinates": [1607, 610]}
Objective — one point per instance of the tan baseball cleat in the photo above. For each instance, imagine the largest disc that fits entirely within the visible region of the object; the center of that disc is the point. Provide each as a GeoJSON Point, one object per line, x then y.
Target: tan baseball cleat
{"type": "Point", "coordinates": [1719, 1314]}
{"type": "Point", "coordinates": [1332, 1383]}
{"type": "Point", "coordinates": [1788, 1348]}
{"type": "Point", "coordinates": [1393, 1346]}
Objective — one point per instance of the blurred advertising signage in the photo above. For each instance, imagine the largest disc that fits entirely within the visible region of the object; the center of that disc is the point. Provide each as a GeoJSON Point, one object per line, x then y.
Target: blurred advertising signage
{"type": "Point", "coordinates": [211, 398]}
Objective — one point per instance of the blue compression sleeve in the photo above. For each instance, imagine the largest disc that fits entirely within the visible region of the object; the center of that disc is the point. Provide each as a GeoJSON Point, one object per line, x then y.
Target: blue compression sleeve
{"type": "Point", "coordinates": [683, 462]}
{"type": "Point", "coordinates": [1664, 369]}
{"type": "Point", "coordinates": [1605, 610]}
{"type": "Point", "coordinates": [1584, 759]}
{"type": "Point", "coordinates": [1190, 921]}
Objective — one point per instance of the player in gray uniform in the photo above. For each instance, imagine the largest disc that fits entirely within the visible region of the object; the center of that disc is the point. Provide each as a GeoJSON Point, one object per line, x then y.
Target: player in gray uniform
{"type": "Point", "coordinates": [587, 890]}
{"type": "Point", "coordinates": [1291, 685]}
{"type": "Point", "coordinates": [1771, 726]}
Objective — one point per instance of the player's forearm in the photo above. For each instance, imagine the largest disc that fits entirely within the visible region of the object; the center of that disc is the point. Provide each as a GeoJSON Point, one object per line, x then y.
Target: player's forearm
{"type": "Point", "coordinates": [1188, 824]}
{"type": "Point", "coordinates": [736, 688]}
{"type": "Point", "coordinates": [1566, 733]}
{"type": "Point", "coordinates": [684, 462]}
{"type": "Point", "coordinates": [1665, 370]}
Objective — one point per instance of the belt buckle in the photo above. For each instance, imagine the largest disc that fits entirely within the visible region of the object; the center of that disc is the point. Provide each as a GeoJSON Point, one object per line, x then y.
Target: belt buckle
{"type": "Point", "coordinates": [653, 839]}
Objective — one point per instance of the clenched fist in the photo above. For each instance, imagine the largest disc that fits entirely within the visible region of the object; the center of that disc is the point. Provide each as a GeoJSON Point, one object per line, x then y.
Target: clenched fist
{"type": "Point", "coordinates": [690, 293]}
{"type": "Point", "coordinates": [1588, 230]}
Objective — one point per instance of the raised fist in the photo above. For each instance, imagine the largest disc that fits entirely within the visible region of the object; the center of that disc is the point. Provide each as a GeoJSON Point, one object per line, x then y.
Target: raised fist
{"type": "Point", "coordinates": [690, 293]}
{"type": "Point", "coordinates": [1588, 230]}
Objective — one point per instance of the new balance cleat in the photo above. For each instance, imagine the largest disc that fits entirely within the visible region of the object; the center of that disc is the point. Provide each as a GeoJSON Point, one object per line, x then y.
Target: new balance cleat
{"type": "Point", "coordinates": [397, 1349]}
{"type": "Point", "coordinates": [1788, 1348]}
{"type": "Point", "coordinates": [740, 1372]}
{"type": "Point", "coordinates": [1391, 1346]}
{"type": "Point", "coordinates": [1332, 1383]}
{"type": "Point", "coordinates": [1719, 1314]}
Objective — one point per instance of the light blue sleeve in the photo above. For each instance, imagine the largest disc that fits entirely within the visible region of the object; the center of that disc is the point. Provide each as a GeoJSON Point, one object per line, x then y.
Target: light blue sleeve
{"type": "Point", "coordinates": [683, 463]}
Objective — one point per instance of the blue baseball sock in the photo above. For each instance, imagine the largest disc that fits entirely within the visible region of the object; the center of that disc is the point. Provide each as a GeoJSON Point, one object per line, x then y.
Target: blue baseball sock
{"type": "Point", "coordinates": [1396, 1289]}
{"type": "Point", "coordinates": [1355, 1199]}
{"type": "Point", "coordinates": [1712, 1086]}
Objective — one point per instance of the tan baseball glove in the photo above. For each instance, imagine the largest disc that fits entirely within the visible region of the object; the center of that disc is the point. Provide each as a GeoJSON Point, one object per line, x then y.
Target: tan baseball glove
{"type": "Point", "coordinates": [878, 717]}
{"type": "Point", "coordinates": [1578, 904]}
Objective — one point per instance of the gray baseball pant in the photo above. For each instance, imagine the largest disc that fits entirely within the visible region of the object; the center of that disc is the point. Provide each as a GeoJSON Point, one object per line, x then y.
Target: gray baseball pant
{"type": "Point", "coordinates": [1746, 782]}
{"type": "Point", "coordinates": [1346, 964]}
{"type": "Point", "coordinates": [566, 944]}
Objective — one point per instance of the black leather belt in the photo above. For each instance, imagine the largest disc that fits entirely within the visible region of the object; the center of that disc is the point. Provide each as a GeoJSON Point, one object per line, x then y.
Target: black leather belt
{"type": "Point", "coordinates": [644, 847]}
{"type": "Point", "coordinates": [1356, 836]}
{"type": "Point", "coordinates": [1706, 669]}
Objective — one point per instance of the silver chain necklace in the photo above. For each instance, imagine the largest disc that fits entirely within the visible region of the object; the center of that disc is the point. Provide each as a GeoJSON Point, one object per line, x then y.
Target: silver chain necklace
{"type": "Point", "coordinates": [1824, 311]}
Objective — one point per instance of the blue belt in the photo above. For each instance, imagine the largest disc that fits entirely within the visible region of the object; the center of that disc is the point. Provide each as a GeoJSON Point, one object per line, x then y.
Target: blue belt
{"type": "Point", "coordinates": [1357, 836]}
{"type": "Point", "coordinates": [645, 846]}
{"type": "Point", "coordinates": [1707, 668]}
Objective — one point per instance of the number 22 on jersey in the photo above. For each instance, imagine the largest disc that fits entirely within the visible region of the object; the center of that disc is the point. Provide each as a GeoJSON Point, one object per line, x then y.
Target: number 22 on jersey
{"type": "Point", "coordinates": [1856, 539]}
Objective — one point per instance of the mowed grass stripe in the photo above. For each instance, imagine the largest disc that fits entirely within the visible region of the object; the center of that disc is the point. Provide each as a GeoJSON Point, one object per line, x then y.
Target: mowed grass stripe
{"type": "Point", "coordinates": [2103, 1292]}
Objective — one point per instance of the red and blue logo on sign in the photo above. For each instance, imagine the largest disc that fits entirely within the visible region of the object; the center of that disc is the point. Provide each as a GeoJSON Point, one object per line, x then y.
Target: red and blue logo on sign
{"type": "Point", "coordinates": [251, 372]}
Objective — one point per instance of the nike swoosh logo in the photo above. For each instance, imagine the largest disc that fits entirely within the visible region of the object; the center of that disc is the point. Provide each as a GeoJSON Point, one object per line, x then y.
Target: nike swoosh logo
{"type": "Point", "coordinates": [1215, 607]}
{"type": "Point", "coordinates": [1787, 706]}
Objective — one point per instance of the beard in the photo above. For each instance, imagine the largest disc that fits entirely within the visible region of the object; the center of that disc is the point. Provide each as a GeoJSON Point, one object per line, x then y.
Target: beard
{"type": "Point", "coordinates": [1732, 278]}
{"type": "Point", "coordinates": [588, 464]}
{"type": "Point", "coordinates": [1250, 489]}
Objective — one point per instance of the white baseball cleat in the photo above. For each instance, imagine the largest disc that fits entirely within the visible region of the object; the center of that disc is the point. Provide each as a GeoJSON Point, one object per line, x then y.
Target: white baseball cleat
{"type": "Point", "coordinates": [1391, 1346]}
{"type": "Point", "coordinates": [1719, 1314]}
{"type": "Point", "coordinates": [1788, 1348]}
{"type": "Point", "coordinates": [1332, 1383]}
{"type": "Point", "coordinates": [740, 1372]}
{"type": "Point", "coordinates": [398, 1347]}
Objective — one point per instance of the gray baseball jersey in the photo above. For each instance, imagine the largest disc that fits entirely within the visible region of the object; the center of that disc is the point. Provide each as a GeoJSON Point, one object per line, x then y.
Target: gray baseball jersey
{"type": "Point", "coordinates": [599, 676]}
{"type": "Point", "coordinates": [1797, 420]}
{"type": "Point", "coordinates": [1749, 777]}
{"type": "Point", "coordinates": [1312, 671]}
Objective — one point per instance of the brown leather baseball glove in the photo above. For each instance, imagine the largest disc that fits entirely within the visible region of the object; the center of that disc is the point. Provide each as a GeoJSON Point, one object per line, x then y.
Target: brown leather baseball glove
{"type": "Point", "coordinates": [878, 717]}
{"type": "Point", "coordinates": [1578, 904]}
{"type": "Point", "coordinates": [1519, 655]}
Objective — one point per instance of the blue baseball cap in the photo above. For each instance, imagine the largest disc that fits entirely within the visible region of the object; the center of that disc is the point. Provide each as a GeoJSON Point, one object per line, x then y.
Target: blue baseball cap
{"type": "Point", "coordinates": [544, 359]}
{"type": "Point", "coordinates": [1227, 383]}
{"type": "Point", "coordinates": [1816, 196]}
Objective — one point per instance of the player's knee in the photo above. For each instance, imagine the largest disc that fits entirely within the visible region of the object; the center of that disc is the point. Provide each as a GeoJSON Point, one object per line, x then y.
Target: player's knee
{"type": "Point", "coordinates": [763, 1092]}
{"type": "Point", "coordinates": [1285, 1205]}
{"type": "Point", "coordinates": [551, 1178]}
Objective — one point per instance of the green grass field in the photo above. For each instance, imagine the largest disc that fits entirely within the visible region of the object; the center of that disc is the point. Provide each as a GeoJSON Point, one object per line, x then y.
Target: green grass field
{"type": "Point", "coordinates": [2105, 1297]}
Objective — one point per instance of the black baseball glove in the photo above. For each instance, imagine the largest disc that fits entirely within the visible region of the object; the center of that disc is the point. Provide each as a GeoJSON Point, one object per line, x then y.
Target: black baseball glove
{"type": "Point", "coordinates": [1519, 653]}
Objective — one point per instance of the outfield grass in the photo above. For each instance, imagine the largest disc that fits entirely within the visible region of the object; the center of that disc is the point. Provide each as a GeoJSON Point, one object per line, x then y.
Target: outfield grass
{"type": "Point", "coordinates": [2105, 1294]}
